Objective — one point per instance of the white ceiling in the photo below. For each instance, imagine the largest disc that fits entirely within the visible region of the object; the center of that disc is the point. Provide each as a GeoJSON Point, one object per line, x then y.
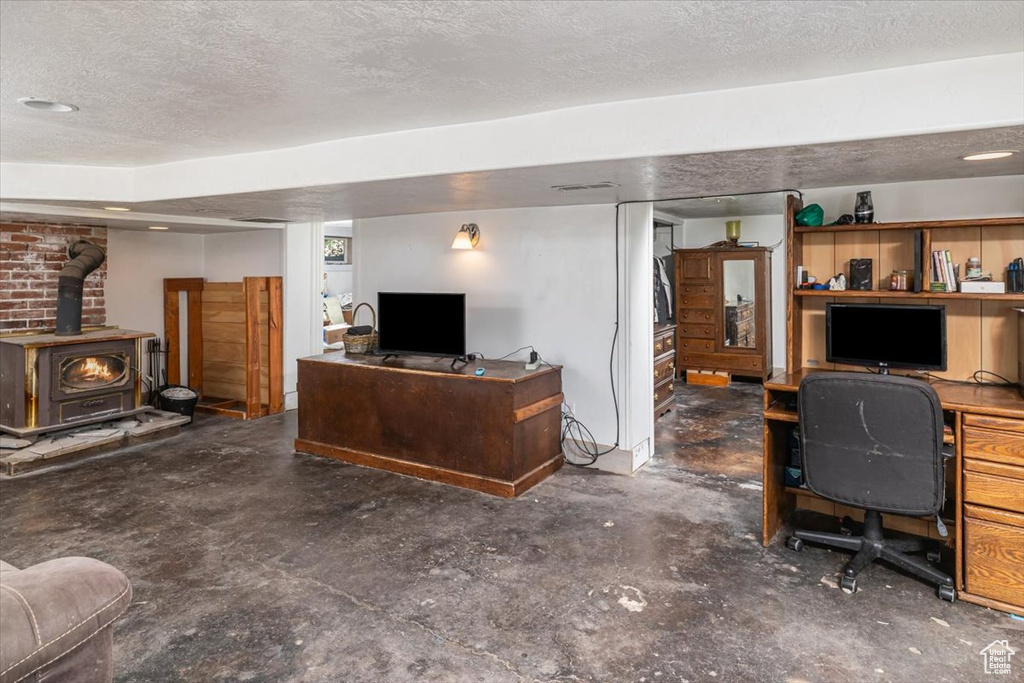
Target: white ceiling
{"type": "Point", "coordinates": [863, 163]}
{"type": "Point", "coordinates": [163, 81]}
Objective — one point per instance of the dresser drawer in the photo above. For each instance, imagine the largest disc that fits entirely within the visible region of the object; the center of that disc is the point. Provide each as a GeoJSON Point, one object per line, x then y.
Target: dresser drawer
{"type": "Point", "coordinates": [696, 267]}
{"type": "Point", "coordinates": [697, 345]}
{"type": "Point", "coordinates": [720, 361]}
{"type": "Point", "coordinates": [697, 315]}
{"type": "Point", "coordinates": [664, 344]}
{"type": "Point", "coordinates": [697, 330]}
{"type": "Point", "coordinates": [663, 392]}
{"type": "Point", "coordinates": [697, 300]}
{"type": "Point", "coordinates": [994, 560]}
{"type": "Point", "coordinates": [993, 490]}
{"type": "Point", "coordinates": [997, 446]}
{"type": "Point", "coordinates": [664, 368]}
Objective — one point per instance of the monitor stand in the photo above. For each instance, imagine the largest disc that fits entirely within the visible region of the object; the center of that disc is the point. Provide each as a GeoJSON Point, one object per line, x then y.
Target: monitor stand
{"type": "Point", "coordinates": [883, 370]}
{"type": "Point", "coordinates": [459, 359]}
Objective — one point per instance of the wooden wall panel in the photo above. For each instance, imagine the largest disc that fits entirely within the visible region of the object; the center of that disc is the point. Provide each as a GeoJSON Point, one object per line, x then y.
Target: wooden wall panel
{"type": "Point", "coordinates": [813, 332]}
{"type": "Point", "coordinates": [999, 337]}
{"type": "Point", "coordinates": [895, 252]}
{"type": "Point", "coordinates": [854, 245]}
{"type": "Point", "coordinates": [963, 337]}
{"type": "Point", "coordinates": [819, 255]}
{"type": "Point", "coordinates": [999, 246]}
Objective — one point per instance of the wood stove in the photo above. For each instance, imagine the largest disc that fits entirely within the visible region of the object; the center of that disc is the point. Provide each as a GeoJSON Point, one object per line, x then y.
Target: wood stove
{"type": "Point", "coordinates": [50, 381]}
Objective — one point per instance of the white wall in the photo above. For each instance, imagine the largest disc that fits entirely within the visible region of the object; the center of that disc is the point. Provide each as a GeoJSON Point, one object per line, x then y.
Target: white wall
{"type": "Point", "coordinates": [230, 256]}
{"type": "Point", "coordinates": [768, 231]}
{"type": "Point", "coordinates": [541, 276]}
{"type": "Point", "coordinates": [928, 200]}
{"type": "Point", "coordinates": [137, 263]}
{"type": "Point", "coordinates": [339, 277]}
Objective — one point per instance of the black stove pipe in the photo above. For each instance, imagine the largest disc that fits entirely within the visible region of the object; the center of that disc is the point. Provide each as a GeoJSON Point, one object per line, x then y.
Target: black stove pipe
{"type": "Point", "coordinates": [85, 258]}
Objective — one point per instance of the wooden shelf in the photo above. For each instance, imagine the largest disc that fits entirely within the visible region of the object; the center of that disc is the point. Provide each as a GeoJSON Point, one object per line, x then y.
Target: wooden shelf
{"type": "Point", "coordinates": [889, 294]}
{"type": "Point", "coordinates": [781, 415]}
{"type": "Point", "coordinates": [914, 225]}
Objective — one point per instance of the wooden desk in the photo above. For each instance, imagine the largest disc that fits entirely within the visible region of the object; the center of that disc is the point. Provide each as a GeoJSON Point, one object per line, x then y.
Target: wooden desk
{"type": "Point", "coordinates": [498, 433]}
{"type": "Point", "coordinates": [985, 488]}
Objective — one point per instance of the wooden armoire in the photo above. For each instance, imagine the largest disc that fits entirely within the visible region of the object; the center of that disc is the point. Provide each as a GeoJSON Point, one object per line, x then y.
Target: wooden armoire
{"type": "Point", "coordinates": [723, 310]}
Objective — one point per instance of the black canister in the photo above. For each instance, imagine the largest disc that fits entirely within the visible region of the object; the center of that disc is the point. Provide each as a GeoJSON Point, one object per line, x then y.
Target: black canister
{"type": "Point", "coordinates": [864, 212]}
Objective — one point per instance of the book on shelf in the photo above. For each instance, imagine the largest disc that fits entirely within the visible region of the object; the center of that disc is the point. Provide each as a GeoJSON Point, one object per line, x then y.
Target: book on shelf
{"type": "Point", "coordinates": [944, 276]}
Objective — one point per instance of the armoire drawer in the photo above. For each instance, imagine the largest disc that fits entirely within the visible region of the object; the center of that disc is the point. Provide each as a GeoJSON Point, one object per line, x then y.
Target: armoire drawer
{"type": "Point", "coordinates": [697, 315]}
{"type": "Point", "coordinates": [697, 345]}
{"type": "Point", "coordinates": [696, 300]}
{"type": "Point", "coordinates": [697, 330]}
{"type": "Point", "coordinates": [723, 361]}
{"type": "Point", "coordinates": [694, 290]}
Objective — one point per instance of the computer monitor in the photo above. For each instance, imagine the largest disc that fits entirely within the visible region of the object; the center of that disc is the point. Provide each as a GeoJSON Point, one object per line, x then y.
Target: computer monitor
{"type": "Point", "coordinates": [886, 336]}
{"type": "Point", "coordinates": [421, 323]}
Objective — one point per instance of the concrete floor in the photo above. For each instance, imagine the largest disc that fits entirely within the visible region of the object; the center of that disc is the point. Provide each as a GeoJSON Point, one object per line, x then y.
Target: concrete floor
{"type": "Point", "coordinates": [251, 563]}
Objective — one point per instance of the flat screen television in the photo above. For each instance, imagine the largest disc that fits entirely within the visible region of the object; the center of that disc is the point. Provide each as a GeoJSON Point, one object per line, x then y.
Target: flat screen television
{"type": "Point", "coordinates": [886, 336]}
{"type": "Point", "coordinates": [421, 324]}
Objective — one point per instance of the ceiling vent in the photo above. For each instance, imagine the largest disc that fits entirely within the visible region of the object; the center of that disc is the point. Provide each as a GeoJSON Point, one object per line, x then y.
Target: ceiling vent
{"type": "Point", "coordinates": [606, 185]}
{"type": "Point", "coordinates": [261, 219]}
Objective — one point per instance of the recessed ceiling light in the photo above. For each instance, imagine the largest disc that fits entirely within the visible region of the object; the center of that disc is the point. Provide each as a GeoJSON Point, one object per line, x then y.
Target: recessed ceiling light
{"type": "Point", "coordinates": [158, 227]}
{"type": "Point", "coordinates": [986, 156]}
{"type": "Point", "coordinates": [48, 105]}
{"type": "Point", "coordinates": [116, 208]}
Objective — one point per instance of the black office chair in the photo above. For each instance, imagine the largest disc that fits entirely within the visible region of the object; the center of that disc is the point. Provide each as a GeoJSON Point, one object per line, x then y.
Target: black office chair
{"type": "Point", "coordinates": [874, 442]}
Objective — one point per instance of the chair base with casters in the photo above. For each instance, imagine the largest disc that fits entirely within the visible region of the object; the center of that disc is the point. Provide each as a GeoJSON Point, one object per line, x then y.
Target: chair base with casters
{"type": "Point", "coordinates": [871, 545]}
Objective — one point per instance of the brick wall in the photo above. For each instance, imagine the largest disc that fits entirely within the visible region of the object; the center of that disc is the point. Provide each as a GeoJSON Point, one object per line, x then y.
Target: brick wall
{"type": "Point", "coordinates": [31, 258]}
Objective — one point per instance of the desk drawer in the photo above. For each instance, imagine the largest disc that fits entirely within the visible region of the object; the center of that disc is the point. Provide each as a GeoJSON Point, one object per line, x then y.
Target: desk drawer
{"type": "Point", "coordinates": [1002, 424]}
{"type": "Point", "coordinates": [994, 560]}
{"type": "Point", "coordinates": [997, 446]}
{"type": "Point", "coordinates": [996, 491]}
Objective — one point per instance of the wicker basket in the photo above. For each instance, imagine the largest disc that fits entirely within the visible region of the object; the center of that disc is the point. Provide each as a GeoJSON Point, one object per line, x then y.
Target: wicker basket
{"type": "Point", "coordinates": [362, 343]}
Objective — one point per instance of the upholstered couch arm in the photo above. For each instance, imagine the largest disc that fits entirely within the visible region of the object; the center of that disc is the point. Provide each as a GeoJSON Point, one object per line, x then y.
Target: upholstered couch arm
{"type": "Point", "coordinates": [53, 611]}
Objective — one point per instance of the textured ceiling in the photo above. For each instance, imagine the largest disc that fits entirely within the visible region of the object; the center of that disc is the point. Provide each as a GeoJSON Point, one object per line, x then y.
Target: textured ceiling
{"type": "Point", "coordinates": [162, 81]}
{"type": "Point", "coordinates": [724, 206]}
{"type": "Point", "coordinates": [866, 162]}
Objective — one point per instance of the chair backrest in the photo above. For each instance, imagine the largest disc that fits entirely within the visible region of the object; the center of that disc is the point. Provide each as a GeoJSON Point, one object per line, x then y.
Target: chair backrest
{"type": "Point", "coordinates": [872, 441]}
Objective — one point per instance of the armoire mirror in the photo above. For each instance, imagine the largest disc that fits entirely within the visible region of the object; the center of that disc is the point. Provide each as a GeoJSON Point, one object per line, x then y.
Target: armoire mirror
{"type": "Point", "coordinates": [738, 293]}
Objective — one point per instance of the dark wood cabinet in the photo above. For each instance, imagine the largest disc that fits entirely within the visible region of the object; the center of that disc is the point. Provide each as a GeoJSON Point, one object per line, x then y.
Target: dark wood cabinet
{"type": "Point", "coordinates": [498, 432]}
{"type": "Point", "coordinates": [723, 310]}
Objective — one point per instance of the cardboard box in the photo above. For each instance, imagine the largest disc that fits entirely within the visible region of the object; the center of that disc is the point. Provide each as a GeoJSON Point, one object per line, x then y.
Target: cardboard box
{"type": "Point", "coordinates": [335, 333]}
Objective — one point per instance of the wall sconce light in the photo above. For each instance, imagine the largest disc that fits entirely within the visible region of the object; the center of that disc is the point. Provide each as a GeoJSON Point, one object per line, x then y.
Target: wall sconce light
{"type": "Point", "coordinates": [467, 237]}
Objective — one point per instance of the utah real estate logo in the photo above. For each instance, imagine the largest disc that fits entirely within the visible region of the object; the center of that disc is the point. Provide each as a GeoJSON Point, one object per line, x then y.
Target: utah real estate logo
{"type": "Point", "coordinates": [997, 657]}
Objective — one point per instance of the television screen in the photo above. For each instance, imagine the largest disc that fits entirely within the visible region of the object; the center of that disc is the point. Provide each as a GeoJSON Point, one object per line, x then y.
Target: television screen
{"type": "Point", "coordinates": [879, 335]}
{"type": "Point", "coordinates": [427, 324]}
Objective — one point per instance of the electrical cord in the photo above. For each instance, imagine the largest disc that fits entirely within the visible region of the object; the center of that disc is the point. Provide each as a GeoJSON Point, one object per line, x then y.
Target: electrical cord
{"type": "Point", "coordinates": [975, 379]}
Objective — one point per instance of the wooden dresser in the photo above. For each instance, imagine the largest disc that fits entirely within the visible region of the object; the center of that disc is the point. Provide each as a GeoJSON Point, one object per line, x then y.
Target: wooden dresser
{"type": "Point", "coordinates": [716, 329]}
{"type": "Point", "coordinates": [664, 369]}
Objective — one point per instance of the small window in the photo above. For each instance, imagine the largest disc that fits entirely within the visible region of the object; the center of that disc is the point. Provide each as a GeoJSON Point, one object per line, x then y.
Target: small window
{"type": "Point", "coordinates": [338, 251]}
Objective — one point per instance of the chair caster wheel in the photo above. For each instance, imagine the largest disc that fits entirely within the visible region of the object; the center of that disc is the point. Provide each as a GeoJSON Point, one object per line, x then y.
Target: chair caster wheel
{"type": "Point", "coordinates": [848, 583]}
{"type": "Point", "coordinates": [934, 556]}
{"type": "Point", "coordinates": [947, 593]}
{"type": "Point", "coordinates": [795, 544]}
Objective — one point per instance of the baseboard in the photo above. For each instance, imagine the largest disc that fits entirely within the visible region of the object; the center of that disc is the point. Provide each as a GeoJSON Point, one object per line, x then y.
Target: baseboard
{"type": "Point", "coordinates": [616, 461]}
